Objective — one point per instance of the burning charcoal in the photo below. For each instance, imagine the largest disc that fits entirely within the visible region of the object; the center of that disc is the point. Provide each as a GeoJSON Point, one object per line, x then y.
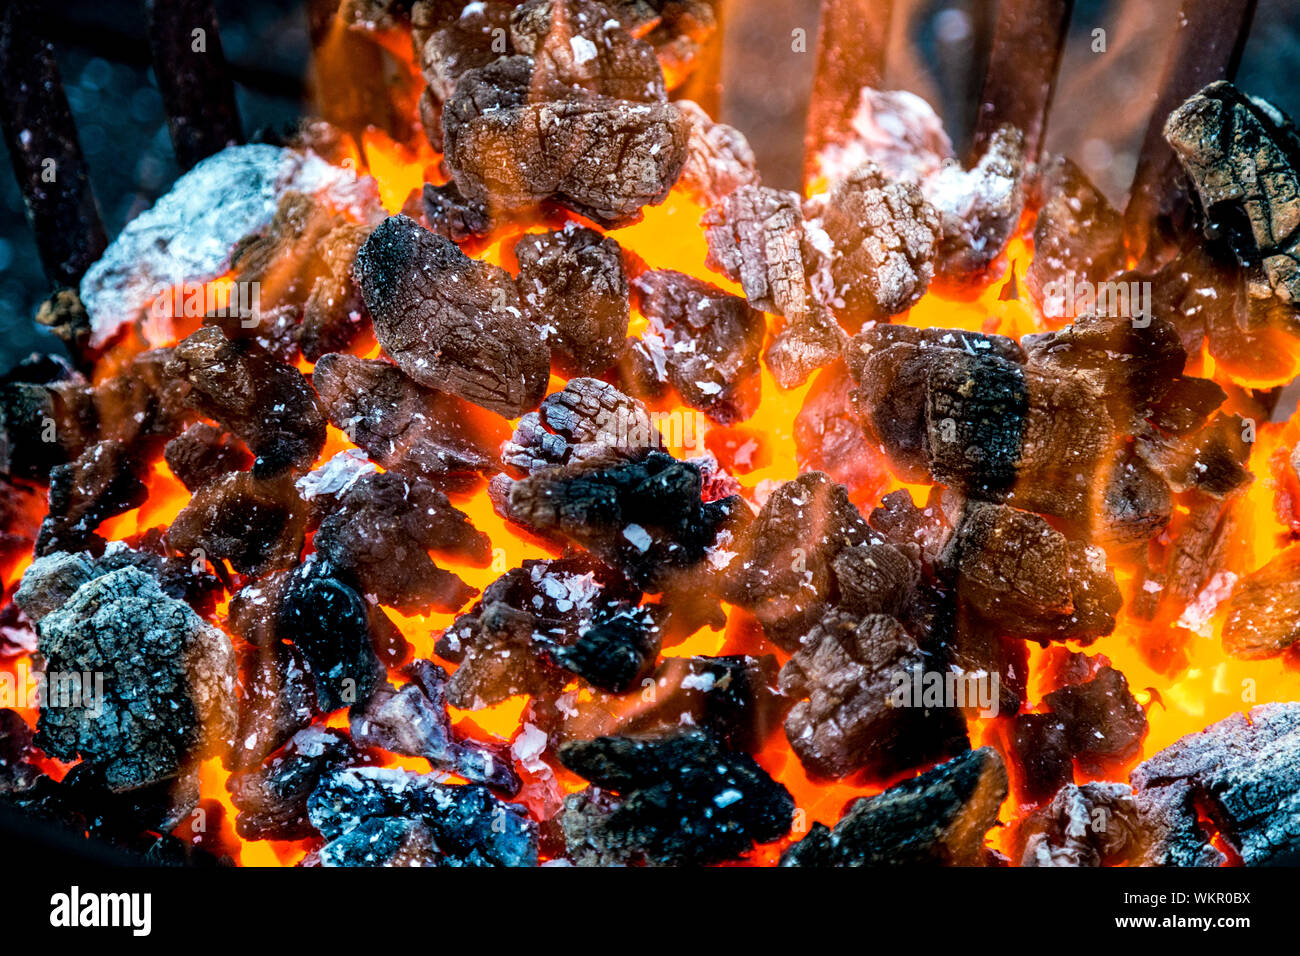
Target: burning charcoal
{"type": "Point", "coordinates": [381, 537]}
{"type": "Point", "coordinates": [168, 680]}
{"type": "Point", "coordinates": [324, 488]}
{"type": "Point", "coordinates": [907, 526]}
{"type": "Point", "coordinates": [450, 214]}
{"type": "Point", "coordinates": [1022, 576]}
{"type": "Point", "coordinates": [331, 624]}
{"type": "Point", "coordinates": [1092, 825]}
{"type": "Point", "coordinates": [979, 209]}
{"type": "Point", "coordinates": [783, 574]}
{"type": "Point", "coordinates": [105, 481]}
{"type": "Point", "coordinates": [711, 342]}
{"type": "Point", "coordinates": [272, 800]}
{"type": "Point", "coordinates": [470, 826]}
{"type": "Point", "coordinates": [849, 672]}
{"type": "Point", "coordinates": [585, 419]}
{"type": "Point", "coordinates": [577, 44]}
{"type": "Point", "coordinates": [451, 43]}
{"type": "Point", "coordinates": [938, 818]}
{"type": "Point", "coordinates": [413, 721]}
{"type": "Point", "coordinates": [1170, 828]}
{"type": "Point", "coordinates": [276, 702]}
{"type": "Point", "coordinates": [389, 841]}
{"type": "Point", "coordinates": [829, 438]}
{"type": "Point", "coordinates": [1136, 506]}
{"type": "Point", "coordinates": [1211, 459]}
{"type": "Point", "coordinates": [642, 514]}
{"type": "Point", "coordinates": [17, 772]}
{"type": "Point", "coordinates": [733, 699]}
{"type": "Point", "coordinates": [755, 237]}
{"type": "Point", "coordinates": [1104, 725]}
{"type": "Point", "coordinates": [876, 578]}
{"type": "Point", "coordinates": [141, 406]}
{"type": "Point", "coordinates": [448, 321]}
{"type": "Point", "coordinates": [335, 312]}
{"type": "Point", "coordinates": [1243, 769]}
{"type": "Point", "coordinates": [282, 260]}
{"type": "Point", "coordinates": [1043, 756]}
{"type": "Point", "coordinates": [1243, 159]}
{"type": "Point", "coordinates": [1078, 236]}
{"type": "Point", "coordinates": [881, 244]}
{"type": "Point", "coordinates": [266, 403]}
{"type": "Point", "coordinates": [718, 158]}
{"type": "Point", "coordinates": [615, 651]}
{"type": "Point", "coordinates": [1264, 610]}
{"type": "Point", "coordinates": [257, 524]}
{"type": "Point", "coordinates": [806, 343]}
{"type": "Point", "coordinates": [21, 508]}
{"type": "Point", "coordinates": [203, 453]}
{"type": "Point", "coordinates": [602, 157]}
{"type": "Point", "coordinates": [682, 801]}
{"type": "Point", "coordinates": [401, 425]}
{"type": "Point", "coordinates": [1186, 405]}
{"type": "Point", "coordinates": [573, 285]}
{"type": "Point", "coordinates": [50, 581]}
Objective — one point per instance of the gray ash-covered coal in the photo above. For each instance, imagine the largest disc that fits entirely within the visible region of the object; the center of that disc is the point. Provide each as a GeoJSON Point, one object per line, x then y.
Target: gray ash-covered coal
{"type": "Point", "coordinates": [680, 800]}
{"type": "Point", "coordinates": [756, 237]}
{"type": "Point", "coordinates": [155, 683]}
{"type": "Point", "coordinates": [937, 818]}
{"type": "Point", "coordinates": [1096, 824]}
{"type": "Point", "coordinates": [450, 322]}
{"type": "Point", "coordinates": [585, 419]}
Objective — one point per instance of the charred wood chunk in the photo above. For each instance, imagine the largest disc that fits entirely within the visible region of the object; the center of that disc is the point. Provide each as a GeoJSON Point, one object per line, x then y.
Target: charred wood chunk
{"type": "Point", "coordinates": [276, 701]}
{"type": "Point", "coordinates": [141, 407]}
{"type": "Point", "coordinates": [756, 236]}
{"type": "Point", "coordinates": [805, 344]}
{"type": "Point", "coordinates": [1186, 405]}
{"type": "Point", "coordinates": [18, 770]}
{"type": "Point", "coordinates": [43, 425]}
{"type": "Point", "coordinates": [1078, 235]}
{"type": "Point", "coordinates": [733, 698]}
{"type": "Point", "coordinates": [413, 721]}
{"type": "Point", "coordinates": [643, 516]}
{"type": "Point", "coordinates": [203, 453]}
{"type": "Point", "coordinates": [616, 650]}
{"type": "Point", "coordinates": [453, 42]}
{"type": "Point", "coordinates": [401, 425]}
{"type": "Point", "coordinates": [1096, 824]}
{"type": "Point", "coordinates": [450, 214]}
{"type": "Point", "coordinates": [1041, 751]}
{"type": "Point", "coordinates": [828, 436]}
{"type": "Point", "coordinates": [585, 419]}
{"type": "Point", "coordinates": [330, 624]}
{"type": "Point", "coordinates": [783, 572]}
{"type": "Point", "coordinates": [718, 157]}
{"type": "Point", "coordinates": [1242, 770]}
{"type": "Point", "coordinates": [572, 285]}
{"type": "Point", "coordinates": [1171, 830]}
{"type": "Point", "coordinates": [1212, 459]}
{"type": "Point", "coordinates": [381, 537]}
{"type": "Point", "coordinates": [272, 799]}
{"type": "Point", "coordinates": [323, 488]}
{"type": "Point", "coordinates": [469, 826]}
{"type": "Point", "coordinates": [578, 44]}
{"type": "Point", "coordinates": [853, 677]}
{"type": "Point", "coordinates": [1136, 505]}
{"type": "Point", "coordinates": [1016, 572]}
{"type": "Point", "coordinates": [1243, 158]}
{"type": "Point", "coordinates": [682, 800]}
{"type": "Point", "coordinates": [257, 524]}
{"type": "Point", "coordinates": [284, 259]}
{"type": "Point", "coordinates": [50, 581]}
{"type": "Point", "coordinates": [906, 526]}
{"type": "Point", "coordinates": [451, 322]}
{"type": "Point", "coordinates": [512, 145]}
{"type": "Point", "coordinates": [711, 342]}
{"type": "Point", "coordinates": [882, 243]}
{"type": "Point", "coordinates": [120, 817]}
{"type": "Point", "coordinates": [1264, 610]}
{"type": "Point", "coordinates": [106, 480]}
{"type": "Point", "coordinates": [335, 312]}
{"type": "Point", "coordinates": [165, 693]}
{"type": "Point", "coordinates": [1104, 724]}
{"type": "Point", "coordinates": [938, 818]}
{"type": "Point", "coordinates": [266, 403]}
{"type": "Point", "coordinates": [876, 578]}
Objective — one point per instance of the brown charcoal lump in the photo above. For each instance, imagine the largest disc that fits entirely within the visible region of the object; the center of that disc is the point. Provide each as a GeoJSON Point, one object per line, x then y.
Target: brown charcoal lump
{"type": "Point", "coordinates": [586, 418]}
{"type": "Point", "coordinates": [106, 480]}
{"type": "Point", "coordinates": [1264, 610]}
{"type": "Point", "coordinates": [1044, 760]}
{"type": "Point", "coordinates": [828, 436]}
{"type": "Point", "coordinates": [805, 344]}
{"type": "Point", "coordinates": [272, 799]}
{"type": "Point", "coordinates": [203, 453]}
{"type": "Point", "coordinates": [450, 214]}
{"type": "Point", "coordinates": [755, 237]}
{"type": "Point", "coordinates": [1078, 235]}
{"type": "Point", "coordinates": [450, 322]}
{"type": "Point", "coordinates": [276, 701]}
{"type": "Point", "coordinates": [335, 312]}
{"type": "Point", "coordinates": [1090, 825]}
{"type": "Point", "coordinates": [876, 578]}
{"type": "Point", "coordinates": [257, 524]}
{"type": "Point", "coordinates": [719, 159]}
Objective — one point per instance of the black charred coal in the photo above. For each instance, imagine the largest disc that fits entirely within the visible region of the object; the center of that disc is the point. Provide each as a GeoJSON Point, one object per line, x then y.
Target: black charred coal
{"type": "Point", "coordinates": [783, 572]}
{"type": "Point", "coordinates": [469, 826]}
{"type": "Point", "coordinates": [1044, 758]}
{"type": "Point", "coordinates": [204, 452]}
{"type": "Point", "coordinates": [1078, 235]}
{"type": "Point", "coordinates": [1104, 724]}
{"type": "Point", "coordinates": [46, 419]}
{"type": "Point", "coordinates": [586, 418]}
{"type": "Point", "coordinates": [272, 800]}
{"type": "Point", "coordinates": [450, 214]}
{"type": "Point", "coordinates": [682, 800]}
{"type": "Point", "coordinates": [106, 480]}
{"type": "Point", "coordinates": [450, 322]}
{"type": "Point", "coordinates": [1242, 770]}
{"type": "Point", "coordinates": [572, 284]}
{"type": "Point", "coordinates": [979, 209]}
{"type": "Point", "coordinates": [386, 841]}
{"type": "Point", "coordinates": [1264, 610]}
{"type": "Point", "coordinates": [401, 425]}
{"type": "Point", "coordinates": [413, 721]}
{"type": "Point", "coordinates": [615, 651]}
{"type": "Point", "coordinates": [266, 403]}
{"type": "Point", "coordinates": [168, 681]}
{"type": "Point", "coordinates": [1095, 824]}
{"type": "Point", "coordinates": [805, 344]}
{"type": "Point", "coordinates": [850, 715]}
{"type": "Point", "coordinates": [277, 699]}
{"type": "Point", "coordinates": [381, 537]}
{"type": "Point", "coordinates": [755, 236]}
{"type": "Point", "coordinates": [710, 342]}
{"type": "Point", "coordinates": [938, 818]}
{"type": "Point", "coordinates": [257, 524]}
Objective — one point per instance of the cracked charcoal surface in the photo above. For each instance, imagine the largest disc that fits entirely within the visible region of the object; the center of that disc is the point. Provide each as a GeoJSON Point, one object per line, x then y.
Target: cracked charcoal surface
{"type": "Point", "coordinates": [469, 825]}
{"type": "Point", "coordinates": [401, 425]}
{"type": "Point", "coordinates": [450, 322]}
{"type": "Point", "coordinates": [587, 418]}
{"type": "Point", "coordinates": [450, 214]}
{"type": "Point", "coordinates": [937, 818]}
{"type": "Point", "coordinates": [844, 677]}
{"type": "Point", "coordinates": [168, 687]}
{"type": "Point", "coordinates": [711, 342]}
{"type": "Point", "coordinates": [573, 286]}
{"type": "Point", "coordinates": [258, 525]}
{"type": "Point", "coordinates": [719, 159]}
{"type": "Point", "coordinates": [204, 452]}
{"type": "Point", "coordinates": [1090, 825]}
{"type": "Point", "coordinates": [272, 799]}
{"type": "Point", "coordinates": [755, 237]}
{"type": "Point", "coordinates": [682, 801]}
{"type": "Point", "coordinates": [268, 404]}
{"type": "Point", "coordinates": [1212, 459]}
{"type": "Point", "coordinates": [805, 344]}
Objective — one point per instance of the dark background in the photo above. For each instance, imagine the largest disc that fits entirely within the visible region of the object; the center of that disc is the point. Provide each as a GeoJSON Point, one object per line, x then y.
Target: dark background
{"type": "Point", "coordinates": [1100, 112]}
